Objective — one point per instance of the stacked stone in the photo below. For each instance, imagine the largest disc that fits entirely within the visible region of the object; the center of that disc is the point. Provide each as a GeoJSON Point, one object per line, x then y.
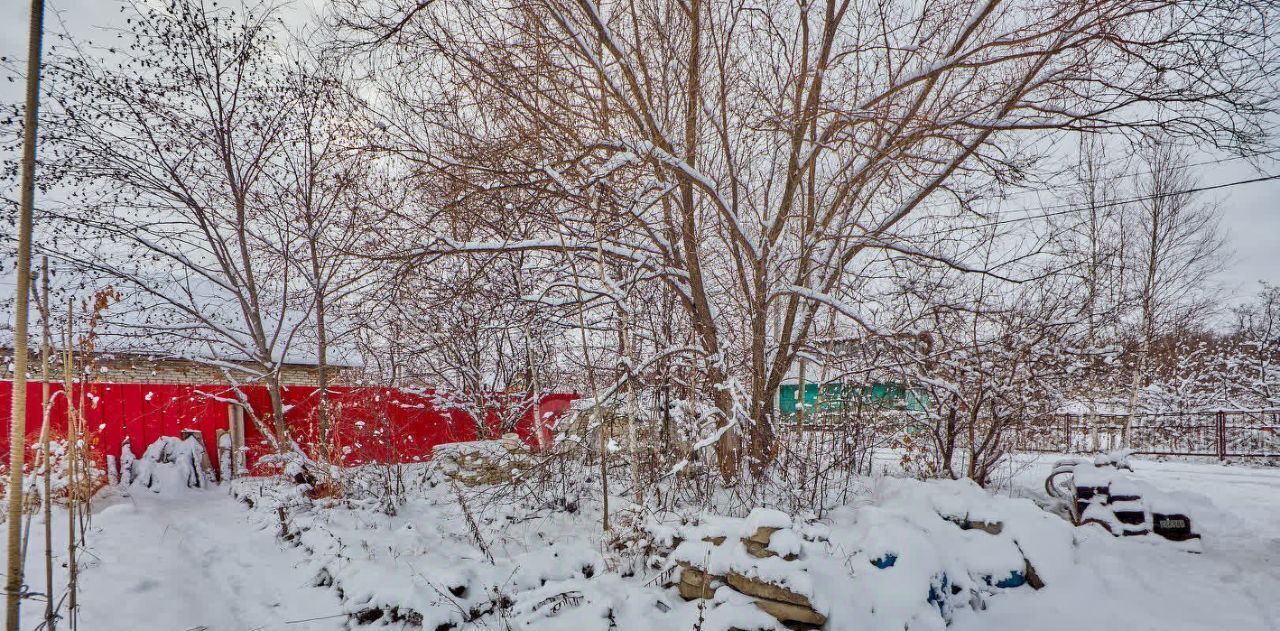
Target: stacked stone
{"type": "Point", "coordinates": [483, 462]}
{"type": "Point", "coordinates": [781, 603]}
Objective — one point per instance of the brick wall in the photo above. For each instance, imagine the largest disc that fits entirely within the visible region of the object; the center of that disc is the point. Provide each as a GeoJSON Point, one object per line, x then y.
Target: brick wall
{"type": "Point", "coordinates": [138, 369]}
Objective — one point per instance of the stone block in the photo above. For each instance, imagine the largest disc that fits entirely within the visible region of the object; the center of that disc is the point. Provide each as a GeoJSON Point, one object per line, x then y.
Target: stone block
{"type": "Point", "coordinates": [696, 584]}
{"type": "Point", "coordinates": [762, 535]}
{"type": "Point", "coordinates": [788, 612]}
{"type": "Point", "coordinates": [768, 591]}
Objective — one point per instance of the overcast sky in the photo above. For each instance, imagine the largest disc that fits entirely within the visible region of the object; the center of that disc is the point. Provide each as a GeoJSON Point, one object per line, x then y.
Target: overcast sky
{"type": "Point", "coordinates": [1251, 213]}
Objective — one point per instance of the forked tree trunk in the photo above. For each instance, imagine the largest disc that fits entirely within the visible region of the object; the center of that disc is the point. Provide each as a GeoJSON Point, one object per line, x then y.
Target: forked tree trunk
{"type": "Point", "coordinates": [284, 444]}
{"type": "Point", "coordinates": [323, 415]}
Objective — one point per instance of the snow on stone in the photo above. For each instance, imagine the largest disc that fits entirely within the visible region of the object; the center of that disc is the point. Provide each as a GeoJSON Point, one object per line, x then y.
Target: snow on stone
{"type": "Point", "coordinates": [767, 518]}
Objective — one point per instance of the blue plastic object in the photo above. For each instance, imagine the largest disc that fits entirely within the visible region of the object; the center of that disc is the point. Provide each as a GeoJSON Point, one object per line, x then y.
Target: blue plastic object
{"type": "Point", "coordinates": [1014, 579]}
{"type": "Point", "coordinates": [938, 589]}
{"type": "Point", "coordinates": [885, 561]}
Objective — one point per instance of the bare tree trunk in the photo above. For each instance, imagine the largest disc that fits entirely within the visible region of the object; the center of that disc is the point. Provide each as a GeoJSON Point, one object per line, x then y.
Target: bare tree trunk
{"type": "Point", "coordinates": [68, 362]}
{"type": "Point", "coordinates": [47, 464]}
{"type": "Point", "coordinates": [535, 380]}
{"type": "Point", "coordinates": [633, 408]}
{"type": "Point", "coordinates": [1152, 263]}
{"type": "Point", "coordinates": [595, 395]}
{"type": "Point", "coordinates": [18, 416]}
{"type": "Point", "coordinates": [284, 443]}
{"type": "Point", "coordinates": [1135, 386]}
{"type": "Point", "coordinates": [318, 286]}
{"type": "Point", "coordinates": [322, 377]}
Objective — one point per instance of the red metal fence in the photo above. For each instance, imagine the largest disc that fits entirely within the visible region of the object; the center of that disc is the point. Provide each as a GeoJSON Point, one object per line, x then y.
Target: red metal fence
{"type": "Point", "coordinates": [1220, 433]}
{"type": "Point", "coordinates": [369, 424]}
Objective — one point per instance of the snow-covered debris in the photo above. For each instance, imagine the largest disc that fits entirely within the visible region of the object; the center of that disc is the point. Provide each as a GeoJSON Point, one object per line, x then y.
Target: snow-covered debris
{"type": "Point", "coordinates": [553, 569]}
{"type": "Point", "coordinates": [168, 464]}
{"type": "Point", "coordinates": [903, 554]}
{"type": "Point", "coordinates": [1100, 492]}
{"type": "Point", "coordinates": [128, 462]}
{"type": "Point", "coordinates": [908, 559]}
{"type": "Point", "coordinates": [450, 558]}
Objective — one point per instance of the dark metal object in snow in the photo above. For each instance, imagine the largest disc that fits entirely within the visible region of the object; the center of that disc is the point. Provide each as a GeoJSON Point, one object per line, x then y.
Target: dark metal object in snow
{"type": "Point", "coordinates": [1097, 492]}
{"type": "Point", "coordinates": [1173, 527]}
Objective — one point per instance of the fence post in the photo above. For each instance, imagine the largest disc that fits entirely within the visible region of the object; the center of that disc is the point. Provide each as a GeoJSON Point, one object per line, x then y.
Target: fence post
{"type": "Point", "coordinates": [1066, 433]}
{"type": "Point", "coordinates": [1222, 435]}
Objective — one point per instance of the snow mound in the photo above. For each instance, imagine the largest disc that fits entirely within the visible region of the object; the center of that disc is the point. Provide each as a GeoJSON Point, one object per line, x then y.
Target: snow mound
{"type": "Point", "coordinates": [922, 551]}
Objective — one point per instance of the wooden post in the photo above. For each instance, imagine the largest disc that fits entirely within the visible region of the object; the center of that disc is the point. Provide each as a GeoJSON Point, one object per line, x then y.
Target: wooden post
{"type": "Point", "coordinates": [68, 383]}
{"type": "Point", "coordinates": [1066, 432]}
{"type": "Point", "coordinates": [540, 430]}
{"type": "Point", "coordinates": [1222, 434]}
{"type": "Point", "coordinates": [46, 340]}
{"type": "Point", "coordinates": [222, 443]}
{"type": "Point", "coordinates": [230, 467]}
{"type": "Point", "coordinates": [237, 442]}
{"type": "Point", "coordinates": [800, 399]}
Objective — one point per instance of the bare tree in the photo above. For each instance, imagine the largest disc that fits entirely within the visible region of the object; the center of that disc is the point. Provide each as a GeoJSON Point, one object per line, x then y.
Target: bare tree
{"type": "Point", "coordinates": [1257, 330]}
{"type": "Point", "coordinates": [1094, 242]}
{"type": "Point", "coordinates": [754, 157]}
{"type": "Point", "coordinates": [991, 358]}
{"type": "Point", "coordinates": [1176, 247]}
{"type": "Point", "coordinates": [472, 332]}
{"type": "Point", "coordinates": [331, 193]}
{"type": "Point", "coordinates": [170, 152]}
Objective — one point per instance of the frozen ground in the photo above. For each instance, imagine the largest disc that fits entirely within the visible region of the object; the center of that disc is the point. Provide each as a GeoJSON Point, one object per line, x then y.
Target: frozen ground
{"type": "Point", "coordinates": [201, 560]}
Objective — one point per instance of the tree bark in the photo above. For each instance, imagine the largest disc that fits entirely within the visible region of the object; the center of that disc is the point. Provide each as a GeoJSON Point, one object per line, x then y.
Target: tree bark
{"type": "Point", "coordinates": [47, 464]}
{"type": "Point", "coordinates": [18, 415]}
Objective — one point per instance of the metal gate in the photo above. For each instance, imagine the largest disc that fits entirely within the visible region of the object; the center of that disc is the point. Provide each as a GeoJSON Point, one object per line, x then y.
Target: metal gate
{"type": "Point", "coordinates": [1221, 433]}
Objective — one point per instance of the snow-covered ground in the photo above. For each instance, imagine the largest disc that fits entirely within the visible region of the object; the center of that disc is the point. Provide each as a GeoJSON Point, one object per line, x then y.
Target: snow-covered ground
{"type": "Point", "coordinates": [204, 560]}
{"type": "Point", "coordinates": [182, 561]}
{"type": "Point", "coordinates": [1126, 584]}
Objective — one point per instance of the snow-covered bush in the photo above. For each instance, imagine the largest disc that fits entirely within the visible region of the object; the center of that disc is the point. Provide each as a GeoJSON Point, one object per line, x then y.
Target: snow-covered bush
{"type": "Point", "coordinates": [89, 474]}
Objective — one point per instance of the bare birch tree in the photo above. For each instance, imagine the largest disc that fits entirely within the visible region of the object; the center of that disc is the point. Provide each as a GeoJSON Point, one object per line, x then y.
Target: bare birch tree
{"type": "Point", "coordinates": [1177, 247]}
{"type": "Point", "coordinates": [326, 188]}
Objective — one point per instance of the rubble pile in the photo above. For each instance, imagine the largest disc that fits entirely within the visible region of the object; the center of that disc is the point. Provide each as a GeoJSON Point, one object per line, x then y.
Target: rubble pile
{"type": "Point", "coordinates": [483, 462]}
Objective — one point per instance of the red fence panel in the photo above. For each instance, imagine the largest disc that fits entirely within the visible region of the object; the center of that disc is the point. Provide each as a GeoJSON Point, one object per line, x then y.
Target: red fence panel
{"type": "Point", "coordinates": [369, 424]}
